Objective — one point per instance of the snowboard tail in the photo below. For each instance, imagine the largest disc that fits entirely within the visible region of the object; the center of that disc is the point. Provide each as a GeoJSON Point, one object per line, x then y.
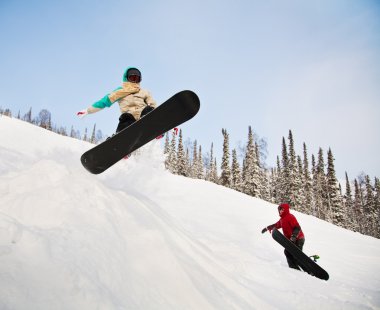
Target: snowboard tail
{"type": "Point", "coordinates": [172, 113]}
{"type": "Point", "coordinates": [305, 262]}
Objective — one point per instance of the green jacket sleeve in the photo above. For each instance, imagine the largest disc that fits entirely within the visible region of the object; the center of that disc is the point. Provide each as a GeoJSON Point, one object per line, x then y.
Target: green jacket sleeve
{"type": "Point", "coordinates": [102, 103]}
{"type": "Point", "coordinates": [105, 102]}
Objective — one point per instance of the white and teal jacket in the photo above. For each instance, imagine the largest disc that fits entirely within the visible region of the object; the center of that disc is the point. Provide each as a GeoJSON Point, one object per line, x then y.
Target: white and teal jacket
{"type": "Point", "coordinates": [130, 97]}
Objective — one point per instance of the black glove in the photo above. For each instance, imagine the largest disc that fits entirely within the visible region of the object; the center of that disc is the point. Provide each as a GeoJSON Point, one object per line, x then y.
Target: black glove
{"type": "Point", "coordinates": [296, 231]}
{"type": "Point", "coordinates": [264, 230]}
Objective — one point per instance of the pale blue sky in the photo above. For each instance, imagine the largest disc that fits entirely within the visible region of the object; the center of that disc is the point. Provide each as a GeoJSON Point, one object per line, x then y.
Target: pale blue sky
{"type": "Point", "coordinates": [251, 63]}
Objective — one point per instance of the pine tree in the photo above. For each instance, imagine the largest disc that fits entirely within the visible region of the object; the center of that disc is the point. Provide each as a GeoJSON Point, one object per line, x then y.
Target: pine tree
{"type": "Point", "coordinates": [322, 207]}
{"type": "Point", "coordinates": [171, 159]}
{"type": "Point", "coordinates": [213, 174]}
{"type": "Point", "coordinates": [49, 125]}
{"type": "Point", "coordinates": [28, 116]}
{"type": "Point", "coordinates": [272, 185]}
{"type": "Point", "coordinates": [225, 178]}
{"type": "Point", "coordinates": [210, 163]}
{"type": "Point", "coordinates": [200, 171]}
{"type": "Point", "coordinates": [308, 185]}
{"type": "Point", "coordinates": [316, 189]}
{"type": "Point", "coordinates": [236, 181]}
{"type": "Point", "coordinates": [334, 200]}
{"type": "Point", "coordinates": [351, 218]}
{"type": "Point", "coordinates": [167, 144]}
{"type": "Point", "coordinates": [285, 192]}
{"type": "Point", "coordinates": [72, 132]}
{"type": "Point", "coordinates": [377, 208]}
{"type": "Point", "coordinates": [62, 131]}
{"type": "Point", "coordinates": [277, 189]}
{"type": "Point", "coordinates": [194, 163]}
{"type": "Point", "coordinates": [260, 173]}
{"type": "Point", "coordinates": [263, 185]}
{"type": "Point", "coordinates": [85, 135]}
{"type": "Point", "coordinates": [301, 195]}
{"type": "Point", "coordinates": [251, 170]}
{"type": "Point", "coordinates": [181, 159]}
{"type": "Point", "coordinates": [93, 136]}
{"type": "Point", "coordinates": [188, 163]}
{"type": "Point", "coordinates": [292, 182]}
{"type": "Point", "coordinates": [358, 206]}
{"type": "Point", "coordinates": [99, 136]}
{"type": "Point", "coordinates": [369, 208]}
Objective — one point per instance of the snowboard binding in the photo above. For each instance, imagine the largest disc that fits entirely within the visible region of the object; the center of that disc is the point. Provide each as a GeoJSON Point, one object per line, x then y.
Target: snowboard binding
{"type": "Point", "coordinates": [314, 257]}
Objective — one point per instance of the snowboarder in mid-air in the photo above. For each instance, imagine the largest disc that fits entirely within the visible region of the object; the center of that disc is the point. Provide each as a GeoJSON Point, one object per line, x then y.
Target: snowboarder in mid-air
{"type": "Point", "coordinates": [292, 230]}
{"type": "Point", "coordinates": [141, 120]}
{"type": "Point", "coordinates": [134, 101]}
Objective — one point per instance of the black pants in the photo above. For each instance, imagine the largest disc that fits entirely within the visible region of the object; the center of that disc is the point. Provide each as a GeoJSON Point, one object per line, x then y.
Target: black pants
{"type": "Point", "coordinates": [127, 119]}
{"type": "Point", "coordinates": [292, 263]}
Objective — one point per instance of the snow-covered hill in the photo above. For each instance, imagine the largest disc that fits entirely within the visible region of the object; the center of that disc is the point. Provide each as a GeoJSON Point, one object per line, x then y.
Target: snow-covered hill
{"type": "Point", "coordinates": [137, 237]}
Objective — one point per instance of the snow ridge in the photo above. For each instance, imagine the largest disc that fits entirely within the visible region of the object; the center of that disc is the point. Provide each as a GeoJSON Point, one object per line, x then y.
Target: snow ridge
{"type": "Point", "coordinates": [137, 237]}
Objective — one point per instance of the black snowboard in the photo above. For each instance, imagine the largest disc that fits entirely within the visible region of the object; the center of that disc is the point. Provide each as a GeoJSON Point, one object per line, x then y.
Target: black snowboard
{"type": "Point", "coordinates": [173, 112]}
{"type": "Point", "coordinates": [304, 261]}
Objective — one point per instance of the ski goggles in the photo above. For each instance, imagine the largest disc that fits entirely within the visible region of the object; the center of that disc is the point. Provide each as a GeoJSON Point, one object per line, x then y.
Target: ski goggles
{"type": "Point", "coordinates": [134, 78]}
{"type": "Point", "coordinates": [133, 75]}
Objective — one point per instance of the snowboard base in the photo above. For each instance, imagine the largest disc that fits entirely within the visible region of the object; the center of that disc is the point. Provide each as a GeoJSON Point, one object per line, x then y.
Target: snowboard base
{"type": "Point", "coordinates": [172, 113]}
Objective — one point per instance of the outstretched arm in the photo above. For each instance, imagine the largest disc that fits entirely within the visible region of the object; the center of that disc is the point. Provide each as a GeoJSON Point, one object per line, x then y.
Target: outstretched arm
{"type": "Point", "coordinates": [97, 106]}
{"type": "Point", "coordinates": [271, 227]}
{"type": "Point", "coordinates": [109, 99]}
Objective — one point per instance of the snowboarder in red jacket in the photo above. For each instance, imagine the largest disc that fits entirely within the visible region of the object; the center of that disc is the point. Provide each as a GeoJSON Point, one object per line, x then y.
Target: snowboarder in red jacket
{"type": "Point", "coordinates": [292, 230]}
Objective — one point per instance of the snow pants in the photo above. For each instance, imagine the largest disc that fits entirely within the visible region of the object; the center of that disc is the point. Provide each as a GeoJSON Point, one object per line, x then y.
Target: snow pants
{"type": "Point", "coordinates": [292, 263]}
{"type": "Point", "coordinates": [127, 119]}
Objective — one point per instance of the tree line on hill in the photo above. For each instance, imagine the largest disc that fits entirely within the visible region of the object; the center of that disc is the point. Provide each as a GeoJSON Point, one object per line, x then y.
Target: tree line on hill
{"type": "Point", "coordinates": [309, 188]}
{"type": "Point", "coordinates": [43, 119]}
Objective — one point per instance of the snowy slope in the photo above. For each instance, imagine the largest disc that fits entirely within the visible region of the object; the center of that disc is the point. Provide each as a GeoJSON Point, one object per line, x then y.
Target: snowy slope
{"type": "Point", "coordinates": [137, 237]}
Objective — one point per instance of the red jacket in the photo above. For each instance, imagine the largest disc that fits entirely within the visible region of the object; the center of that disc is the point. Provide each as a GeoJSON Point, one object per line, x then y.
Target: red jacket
{"type": "Point", "coordinates": [288, 223]}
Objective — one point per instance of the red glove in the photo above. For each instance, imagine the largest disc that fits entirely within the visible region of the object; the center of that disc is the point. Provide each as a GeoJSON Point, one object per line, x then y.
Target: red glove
{"type": "Point", "coordinates": [82, 113]}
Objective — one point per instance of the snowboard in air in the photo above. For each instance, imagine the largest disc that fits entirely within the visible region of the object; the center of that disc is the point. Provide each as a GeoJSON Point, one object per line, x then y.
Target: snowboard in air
{"type": "Point", "coordinates": [305, 262]}
{"type": "Point", "coordinates": [173, 112]}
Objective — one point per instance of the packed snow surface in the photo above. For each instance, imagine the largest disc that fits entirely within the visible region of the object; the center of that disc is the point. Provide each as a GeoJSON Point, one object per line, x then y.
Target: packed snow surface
{"type": "Point", "coordinates": [138, 237]}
